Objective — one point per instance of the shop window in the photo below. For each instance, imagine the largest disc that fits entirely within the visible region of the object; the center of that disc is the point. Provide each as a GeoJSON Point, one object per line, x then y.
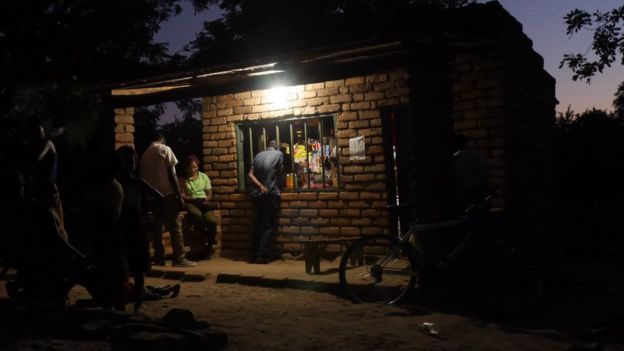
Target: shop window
{"type": "Point", "coordinates": [308, 145]}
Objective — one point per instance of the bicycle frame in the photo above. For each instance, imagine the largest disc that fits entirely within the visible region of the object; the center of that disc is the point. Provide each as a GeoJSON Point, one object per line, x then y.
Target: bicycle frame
{"type": "Point", "coordinates": [384, 268]}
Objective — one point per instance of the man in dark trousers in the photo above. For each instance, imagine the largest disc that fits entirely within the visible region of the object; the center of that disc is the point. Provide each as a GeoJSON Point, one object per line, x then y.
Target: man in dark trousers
{"type": "Point", "coordinates": [265, 174]}
{"type": "Point", "coordinates": [157, 168]}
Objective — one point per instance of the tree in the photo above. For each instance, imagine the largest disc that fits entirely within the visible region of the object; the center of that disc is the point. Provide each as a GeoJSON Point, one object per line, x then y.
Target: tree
{"type": "Point", "coordinates": [254, 28]}
{"type": "Point", "coordinates": [607, 44]}
{"type": "Point", "coordinates": [592, 168]}
{"type": "Point", "coordinates": [57, 59]}
{"type": "Point", "coordinates": [55, 51]}
{"type": "Point", "coordinates": [185, 137]}
{"type": "Point", "coordinates": [618, 103]}
{"type": "Point", "coordinates": [592, 142]}
{"type": "Point", "coordinates": [81, 41]}
{"type": "Point", "coordinates": [184, 134]}
{"type": "Point", "coordinates": [564, 120]}
{"type": "Point", "coordinates": [146, 124]}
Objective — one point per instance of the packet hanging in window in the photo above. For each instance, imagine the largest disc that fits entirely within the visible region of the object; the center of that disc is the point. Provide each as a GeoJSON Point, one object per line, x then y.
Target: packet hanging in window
{"type": "Point", "coordinates": [300, 153]}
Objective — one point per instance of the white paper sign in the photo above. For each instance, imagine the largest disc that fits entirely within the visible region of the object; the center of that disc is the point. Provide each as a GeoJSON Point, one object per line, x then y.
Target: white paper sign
{"type": "Point", "coordinates": [357, 148]}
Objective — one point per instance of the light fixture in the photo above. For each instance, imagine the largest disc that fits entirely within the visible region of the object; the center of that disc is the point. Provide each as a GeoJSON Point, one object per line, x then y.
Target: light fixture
{"type": "Point", "coordinates": [277, 97]}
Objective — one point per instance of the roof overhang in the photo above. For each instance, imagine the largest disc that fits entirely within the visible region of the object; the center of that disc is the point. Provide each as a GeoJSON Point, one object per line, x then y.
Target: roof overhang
{"type": "Point", "coordinates": [287, 70]}
{"type": "Point", "coordinates": [474, 28]}
{"type": "Point", "coordinates": [292, 69]}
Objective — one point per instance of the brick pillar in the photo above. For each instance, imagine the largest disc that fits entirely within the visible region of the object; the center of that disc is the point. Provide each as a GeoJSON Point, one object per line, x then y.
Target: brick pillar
{"type": "Point", "coordinates": [432, 131]}
{"type": "Point", "coordinates": [124, 127]}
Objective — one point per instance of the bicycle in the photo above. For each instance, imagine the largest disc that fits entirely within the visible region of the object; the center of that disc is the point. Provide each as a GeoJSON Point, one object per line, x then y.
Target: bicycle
{"type": "Point", "coordinates": [386, 268]}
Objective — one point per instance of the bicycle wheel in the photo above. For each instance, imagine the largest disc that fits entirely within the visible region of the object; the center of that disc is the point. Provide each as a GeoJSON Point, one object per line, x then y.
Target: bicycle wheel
{"type": "Point", "coordinates": [505, 278]}
{"type": "Point", "coordinates": [378, 268]}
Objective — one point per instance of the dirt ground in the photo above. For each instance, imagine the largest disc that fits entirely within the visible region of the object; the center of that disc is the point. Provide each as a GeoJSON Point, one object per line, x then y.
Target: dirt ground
{"type": "Point", "coordinates": [259, 318]}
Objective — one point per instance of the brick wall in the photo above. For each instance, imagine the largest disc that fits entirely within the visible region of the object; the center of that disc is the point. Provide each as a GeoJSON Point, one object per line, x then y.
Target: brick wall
{"type": "Point", "coordinates": [356, 208]}
{"type": "Point", "coordinates": [531, 141]}
{"type": "Point", "coordinates": [494, 90]}
{"type": "Point", "coordinates": [479, 110]}
{"type": "Point", "coordinates": [505, 100]}
{"type": "Point", "coordinates": [124, 127]}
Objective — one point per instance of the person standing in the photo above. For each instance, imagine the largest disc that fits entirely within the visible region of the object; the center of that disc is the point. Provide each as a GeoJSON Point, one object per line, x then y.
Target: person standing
{"type": "Point", "coordinates": [157, 168]}
{"type": "Point", "coordinates": [42, 162]}
{"type": "Point", "coordinates": [49, 265]}
{"type": "Point", "coordinates": [131, 222]}
{"type": "Point", "coordinates": [104, 200]}
{"type": "Point", "coordinates": [197, 193]}
{"type": "Point", "coordinates": [265, 173]}
{"type": "Point", "coordinates": [44, 158]}
{"type": "Point", "coordinates": [15, 212]}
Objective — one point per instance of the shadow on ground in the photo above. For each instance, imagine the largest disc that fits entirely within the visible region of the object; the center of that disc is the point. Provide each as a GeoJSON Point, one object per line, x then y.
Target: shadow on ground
{"type": "Point", "coordinates": [106, 329]}
{"type": "Point", "coordinates": [582, 303]}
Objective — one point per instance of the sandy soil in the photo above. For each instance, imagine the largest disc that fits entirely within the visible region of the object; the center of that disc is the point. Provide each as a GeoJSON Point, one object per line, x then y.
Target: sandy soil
{"type": "Point", "coordinates": [257, 318]}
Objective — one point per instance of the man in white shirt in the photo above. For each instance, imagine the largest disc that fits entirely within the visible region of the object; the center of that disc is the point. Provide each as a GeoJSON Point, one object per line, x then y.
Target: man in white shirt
{"type": "Point", "coordinates": [157, 167]}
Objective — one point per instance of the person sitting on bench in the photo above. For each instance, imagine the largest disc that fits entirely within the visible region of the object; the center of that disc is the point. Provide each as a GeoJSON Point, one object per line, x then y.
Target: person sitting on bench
{"type": "Point", "coordinates": [196, 191]}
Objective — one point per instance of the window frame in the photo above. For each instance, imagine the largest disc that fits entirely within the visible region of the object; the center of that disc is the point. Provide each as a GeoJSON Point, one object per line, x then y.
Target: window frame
{"type": "Point", "coordinates": [244, 127]}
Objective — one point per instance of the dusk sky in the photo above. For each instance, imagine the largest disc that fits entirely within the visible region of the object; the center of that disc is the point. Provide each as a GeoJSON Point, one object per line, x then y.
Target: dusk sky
{"type": "Point", "coordinates": [542, 21]}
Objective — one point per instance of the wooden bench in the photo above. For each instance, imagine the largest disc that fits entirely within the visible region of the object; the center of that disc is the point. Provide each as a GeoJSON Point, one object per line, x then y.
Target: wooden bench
{"type": "Point", "coordinates": [312, 249]}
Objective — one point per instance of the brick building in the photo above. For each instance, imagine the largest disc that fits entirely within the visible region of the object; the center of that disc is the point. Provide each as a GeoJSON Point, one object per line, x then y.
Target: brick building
{"type": "Point", "coordinates": [404, 97]}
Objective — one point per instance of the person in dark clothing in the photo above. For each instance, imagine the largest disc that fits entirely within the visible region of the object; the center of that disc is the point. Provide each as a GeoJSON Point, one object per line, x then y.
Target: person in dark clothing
{"type": "Point", "coordinates": [14, 213]}
{"type": "Point", "coordinates": [43, 157]}
{"type": "Point", "coordinates": [132, 221]}
{"type": "Point", "coordinates": [265, 173]}
{"type": "Point", "coordinates": [48, 266]}
{"type": "Point", "coordinates": [41, 162]}
{"type": "Point", "coordinates": [104, 201]}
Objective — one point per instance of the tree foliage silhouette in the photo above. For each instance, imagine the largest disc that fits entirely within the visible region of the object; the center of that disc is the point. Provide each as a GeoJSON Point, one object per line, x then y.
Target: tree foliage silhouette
{"type": "Point", "coordinates": [256, 28]}
{"type": "Point", "coordinates": [618, 102]}
{"type": "Point", "coordinates": [54, 52]}
{"type": "Point", "coordinates": [607, 43]}
{"type": "Point", "coordinates": [592, 169]}
{"type": "Point", "coordinates": [57, 58]}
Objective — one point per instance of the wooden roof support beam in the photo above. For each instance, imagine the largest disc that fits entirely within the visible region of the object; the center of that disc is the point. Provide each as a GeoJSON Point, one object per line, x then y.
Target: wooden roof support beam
{"type": "Point", "coordinates": [142, 91]}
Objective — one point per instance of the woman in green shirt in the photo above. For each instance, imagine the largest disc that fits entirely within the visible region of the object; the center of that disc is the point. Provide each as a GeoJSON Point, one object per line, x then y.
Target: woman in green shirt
{"type": "Point", "coordinates": [197, 193]}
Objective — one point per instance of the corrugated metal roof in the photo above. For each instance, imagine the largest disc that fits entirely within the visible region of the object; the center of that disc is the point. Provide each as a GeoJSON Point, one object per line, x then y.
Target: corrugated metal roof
{"type": "Point", "coordinates": [289, 69]}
